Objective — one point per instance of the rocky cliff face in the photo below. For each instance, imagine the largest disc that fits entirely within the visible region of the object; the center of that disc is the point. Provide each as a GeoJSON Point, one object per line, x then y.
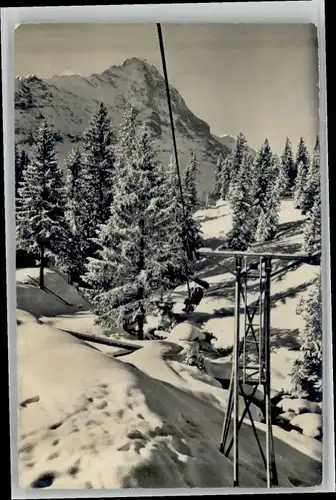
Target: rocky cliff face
{"type": "Point", "coordinates": [67, 102]}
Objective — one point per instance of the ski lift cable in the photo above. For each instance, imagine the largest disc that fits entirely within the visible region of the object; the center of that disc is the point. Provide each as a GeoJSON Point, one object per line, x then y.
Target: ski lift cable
{"type": "Point", "coordinates": [165, 74]}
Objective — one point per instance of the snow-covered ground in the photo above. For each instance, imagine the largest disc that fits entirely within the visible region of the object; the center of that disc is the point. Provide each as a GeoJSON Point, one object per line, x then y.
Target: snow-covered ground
{"type": "Point", "coordinates": [89, 420]}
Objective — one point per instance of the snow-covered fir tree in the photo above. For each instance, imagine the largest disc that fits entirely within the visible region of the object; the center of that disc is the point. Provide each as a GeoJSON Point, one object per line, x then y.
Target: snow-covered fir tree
{"type": "Point", "coordinates": [132, 267]}
{"type": "Point", "coordinates": [241, 234]}
{"type": "Point", "coordinates": [263, 176]}
{"type": "Point", "coordinates": [313, 228]}
{"type": "Point", "coordinates": [288, 169]}
{"type": "Point", "coordinates": [269, 219]}
{"type": "Point", "coordinates": [80, 226]}
{"type": "Point", "coordinates": [302, 154]}
{"type": "Point", "coordinates": [282, 182]}
{"type": "Point", "coordinates": [193, 234]}
{"type": "Point", "coordinates": [225, 177]}
{"type": "Point", "coordinates": [190, 185]}
{"type": "Point", "coordinates": [17, 170]}
{"type": "Point", "coordinates": [40, 218]}
{"type": "Point", "coordinates": [126, 137]}
{"type": "Point", "coordinates": [262, 230]}
{"type": "Point", "coordinates": [99, 159]}
{"type": "Point", "coordinates": [302, 164]}
{"type": "Point", "coordinates": [276, 173]}
{"type": "Point", "coordinates": [312, 185]}
{"type": "Point", "coordinates": [300, 185]}
{"type": "Point", "coordinates": [274, 205]}
{"type": "Point", "coordinates": [236, 159]}
{"type": "Point", "coordinates": [192, 226]}
{"type": "Point", "coordinates": [21, 161]}
{"type": "Point", "coordinates": [178, 227]}
{"type": "Point", "coordinates": [217, 182]}
{"type": "Point", "coordinates": [307, 370]}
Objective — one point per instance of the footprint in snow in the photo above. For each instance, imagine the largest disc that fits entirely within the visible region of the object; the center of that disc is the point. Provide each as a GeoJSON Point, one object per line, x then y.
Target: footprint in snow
{"type": "Point", "coordinates": [28, 401]}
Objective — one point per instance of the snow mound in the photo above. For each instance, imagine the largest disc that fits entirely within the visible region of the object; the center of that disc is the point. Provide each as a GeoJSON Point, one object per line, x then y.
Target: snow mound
{"type": "Point", "coordinates": [24, 317]}
{"type": "Point", "coordinates": [298, 406]}
{"type": "Point", "coordinates": [186, 331]}
{"type": "Point", "coordinates": [310, 423]}
{"type": "Point", "coordinates": [87, 420]}
{"type": "Point", "coordinates": [85, 322]}
{"type": "Point", "coordinates": [58, 298]}
{"type": "Point", "coordinates": [286, 416]}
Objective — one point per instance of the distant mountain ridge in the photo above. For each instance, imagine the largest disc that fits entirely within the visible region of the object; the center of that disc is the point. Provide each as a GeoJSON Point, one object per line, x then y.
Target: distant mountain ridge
{"type": "Point", "coordinates": [67, 103]}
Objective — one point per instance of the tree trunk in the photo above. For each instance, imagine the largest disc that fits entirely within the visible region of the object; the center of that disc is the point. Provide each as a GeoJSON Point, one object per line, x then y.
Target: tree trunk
{"type": "Point", "coordinates": [141, 316]}
{"type": "Point", "coordinates": [42, 266]}
{"type": "Point", "coordinates": [141, 321]}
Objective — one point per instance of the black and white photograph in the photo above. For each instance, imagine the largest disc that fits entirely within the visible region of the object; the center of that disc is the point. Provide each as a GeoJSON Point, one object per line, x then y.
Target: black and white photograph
{"type": "Point", "coordinates": [168, 256]}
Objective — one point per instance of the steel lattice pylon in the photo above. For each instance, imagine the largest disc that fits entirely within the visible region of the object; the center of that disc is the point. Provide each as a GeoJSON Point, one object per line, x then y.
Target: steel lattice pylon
{"type": "Point", "coordinates": [251, 365]}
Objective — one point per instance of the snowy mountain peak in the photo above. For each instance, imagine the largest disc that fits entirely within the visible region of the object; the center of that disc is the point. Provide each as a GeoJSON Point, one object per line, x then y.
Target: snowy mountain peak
{"type": "Point", "coordinates": [32, 78]}
{"type": "Point", "coordinates": [68, 101]}
{"type": "Point", "coordinates": [135, 61]}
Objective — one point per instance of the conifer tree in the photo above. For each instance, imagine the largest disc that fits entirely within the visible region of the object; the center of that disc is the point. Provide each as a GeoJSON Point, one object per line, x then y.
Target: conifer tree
{"type": "Point", "coordinates": [268, 220]}
{"type": "Point", "coordinates": [192, 227]}
{"type": "Point", "coordinates": [17, 170]}
{"type": "Point", "coordinates": [276, 174]}
{"type": "Point", "coordinates": [24, 159]}
{"type": "Point", "coordinates": [132, 266]}
{"type": "Point", "coordinates": [312, 232]}
{"type": "Point", "coordinates": [262, 230]}
{"type": "Point", "coordinates": [79, 225]}
{"type": "Point", "coordinates": [312, 185]}
{"type": "Point", "coordinates": [302, 167]}
{"type": "Point", "coordinates": [18, 178]}
{"type": "Point", "coordinates": [189, 185]}
{"type": "Point", "coordinates": [176, 228]}
{"type": "Point", "coordinates": [236, 157]}
{"type": "Point", "coordinates": [40, 220]}
{"type": "Point", "coordinates": [126, 137]}
{"type": "Point", "coordinates": [263, 175]}
{"type": "Point", "coordinates": [302, 154]}
{"type": "Point", "coordinates": [21, 161]}
{"type": "Point", "coordinates": [282, 183]}
{"type": "Point", "coordinates": [225, 177]}
{"type": "Point", "coordinates": [288, 169]}
{"type": "Point", "coordinates": [23, 258]}
{"type": "Point", "coordinates": [217, 183]}
{"type": "Point", "coordinates": [274, 205]}
{"type": "Point", "coordinates": [307, 370]}
{"type": "Point", "coordinates": [241, 234]}
{"type": "Point", "coordinates": [300, 185]}
{"type": "Point", "coordinates": [99, 160]}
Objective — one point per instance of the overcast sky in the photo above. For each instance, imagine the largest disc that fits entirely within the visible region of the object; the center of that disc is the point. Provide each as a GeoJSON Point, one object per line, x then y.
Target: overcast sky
{"type": "Point", "coordinates": [258, 79]}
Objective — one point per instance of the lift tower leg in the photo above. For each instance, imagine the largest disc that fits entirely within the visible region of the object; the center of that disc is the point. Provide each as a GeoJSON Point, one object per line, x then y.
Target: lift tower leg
{"type": "Point", "coordinates": [250, 368]}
